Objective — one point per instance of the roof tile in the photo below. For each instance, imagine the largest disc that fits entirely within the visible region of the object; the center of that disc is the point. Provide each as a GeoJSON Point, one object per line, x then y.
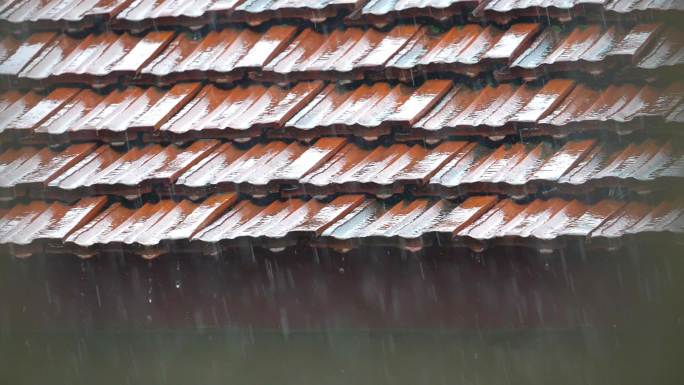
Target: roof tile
{"type": "Point", "coordinates": [57, 14]}
{"type": "Point", "coordinates": [107, 171]}
{"type": "Point", "coordinates": [260, 165]}
{"type": "Point", "coordinates": [141, 14]}
{"type": "Point", "coordinates": [618, 103]}
{"type": "Point", "coordinates": [36, 168]}
{"type": "Point", "coordinates": [505, 10]}
{"type": "Point", "coordinates": [151, 224]}
{"type": "Point", "coordinates": [98, 59]}
{"type": "Point", "coordinates": [541, 219]}
{"type": "Point", "coordinates": [21, 115]}
{"type": "Point", "coordinates": [625, 6]}
{"type": "Point", "coordinates": [257, 11]}
{"type": "Point", "coordinates": [334, 165]}
{"type": "Point", "coordinates": [279, 219]}
{"type": "Point", "coordinates": [495, 106]}
{"type": "Point", "coordinates": [239, 111]}
{"type": "Point", "coordinates": [392, 166]}
{"type": "Point", "coordinates": [369, 106]}
{"type": "Point", "coordinates": [220, 55]}
{"type": "Point", "coordinates": [40, 221]}
{"type": "Point", "coordinates": [384, 11]}
{"type": "Point", "coordinates": [312, 54]}
{"type": "Point", "coordinates": [343, 222]}
{"type": "Point", "coordinates": [146, 14]}
{"type": "Point", "coordinates": [121, 113]}
{"type": "Point", "coordinates": [15, 54]}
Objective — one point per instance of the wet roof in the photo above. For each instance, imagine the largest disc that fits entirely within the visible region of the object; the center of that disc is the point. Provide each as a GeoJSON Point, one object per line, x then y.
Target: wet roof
{"type": "Point", "coordinates": [436, 108]}
{"type": "Point", "coordinates": [152, 126]}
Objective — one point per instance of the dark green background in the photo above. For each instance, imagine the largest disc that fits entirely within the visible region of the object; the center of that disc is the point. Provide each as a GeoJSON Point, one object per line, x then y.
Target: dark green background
{"type": "Point", "coordinates": [377, 316]}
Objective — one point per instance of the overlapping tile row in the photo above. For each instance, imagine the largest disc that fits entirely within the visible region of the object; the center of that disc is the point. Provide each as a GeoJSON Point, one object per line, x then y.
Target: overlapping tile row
{"type": "Point", "coordinates": [30, 228]}
{"type": "Point", "coordinates": [624, 108]}
{"type": "Point", "coordinates": [240, 113]}
{"type": "Point", "coordinates": [381, 12]}
{"type": "Point", "coordinates": [355, 53]}
{"type": "Point", "coordinates": [284, 54]}
{"type": "Point", "coordinates": [503, 11]}
{"type": "Point", "coordinates": [145, 228]}
{"type": "Point", "coordinates": [221, 56]}
{"type": "Point", "coordinates": [28, 169]}
{"type": "Point", "coordinates": [334, 165]}
{"type": "Point", "coordinates": [55, 15]}
{"type": "Point", "coordinates": [15, 53]}
{"type": "Point", "coordinates": [595, 49]}
{"type": "Point", "coordinates": [126, 174]}
{"type": "Point", "coordinates": [89, 227]}
{"type": "Point", "coordinates": [71, 114]}
{"type": "Point", "coordinates": [196, 13]}
{"type": "Point", "coordinates": [343, 53]}
{"type": "Point", "coordinates": [369, 111]}
{"type": "Point", "coordinates": [138, 15]}
{"type": "Point", "coordinates": [97, 59]}
{"type": "Point", "coordinates": [434, 110]}
{"type": "Point", "coordinates": [558, 108]}
{"type": "Point", "coordinates": [143, 14]}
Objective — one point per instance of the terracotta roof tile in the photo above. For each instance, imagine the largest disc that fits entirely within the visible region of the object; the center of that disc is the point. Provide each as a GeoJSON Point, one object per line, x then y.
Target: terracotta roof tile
{"type": "Point", "coordinates": [107, 171]}
{"type": "Point", "coordinates": [308, 109]}
{"type": "Point", "coordinates": [141, 14]}
{"type": "Point", "coordinates": [384, 11]}
{"type": "Point", "coordinates": [384, 170]}
{"type": "Point", "coordinates": [464, 109]}
{"type": "Point", "coordinates": [240, 112]}
{"type": "Point", "coordinates": [15, 54]}
{"type": "Point", "coordinates": [513, 165]}
{"type": "Point", "coordinates": [278, 219]}
{"type": "Point", "coordinates": [464, 49]}
{"type": "Point", "coordinates": [541, 219]}
{"type": "Point", "coordinates": [625, 6]}
{"type": "Point", "coordinates": [282, 54]}
{"type": "Point", "coordinates": [643, 161]}
{"type": "Point", "coordinates": [591, 48]}
{"type": "Point", "coordinates": [668, 51]}
{"type": "Point", "coordinates": [73, 14]}
{"type": "Point", "coordinates": [259, 168]}
{"type": "Point", "coordinates": [27, 225]}
{"type": "Point", "coordinates": [504, 6]}
{"type": "Point", "coordinates": [346, 221]}
{"type": "Point", "coordinates": [98, 59]}
{"type": "Point", "coordinates": [145, 14]}
{"type": "Point", "coordinates": [667, 216]}
{"type": "Point", "coordinates": [21, 115]}
{"type": "Point", "coordinates": [623, 104]}
{"type": "Point", "coordinates": [150, 225]}
{"type": "Point", "coordinates": [505, 10]}
{"type": "Point", "coordinates": [374, 106]}
{"type": "Point", "coordinates": [258, 11]}
{"type": "Point", "coordinates": [343, 52]}
{"type": "Point", "coordinates": [220, 55]}
{"type": "Point", "coordinates": [32, 168]}
{"type": "Point", "coordinates": [116, 116]}
{"type": "Point", "coordinates": [334, 165]}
